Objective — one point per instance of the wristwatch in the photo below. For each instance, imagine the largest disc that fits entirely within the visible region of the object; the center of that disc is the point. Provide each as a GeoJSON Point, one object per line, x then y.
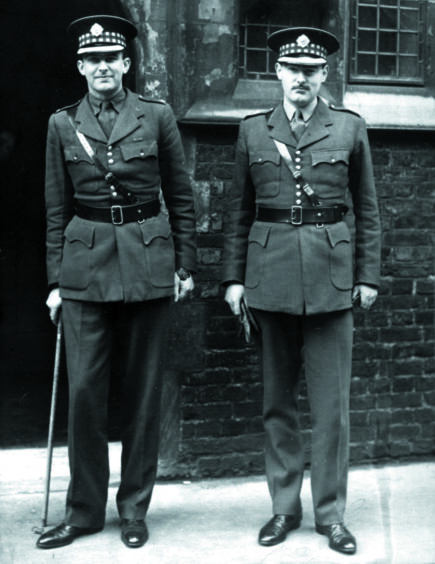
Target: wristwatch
{"type": "Point", "coordinates": [183, 274]}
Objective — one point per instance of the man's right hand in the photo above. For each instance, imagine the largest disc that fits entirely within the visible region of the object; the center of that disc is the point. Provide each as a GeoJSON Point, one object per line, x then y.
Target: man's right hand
{"type": "Point", "coordinates": [54, 303]}
{"type": "Point", "coordinates": [233, 297]}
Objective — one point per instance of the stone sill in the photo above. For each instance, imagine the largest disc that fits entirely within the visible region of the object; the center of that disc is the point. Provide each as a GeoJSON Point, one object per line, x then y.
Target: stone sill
{"type": "Point", "coordinates": [401, 109]}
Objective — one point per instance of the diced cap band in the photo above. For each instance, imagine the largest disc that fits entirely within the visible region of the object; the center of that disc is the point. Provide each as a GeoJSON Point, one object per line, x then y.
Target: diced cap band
{"type": "Point", "coordinates": [102, 33]}
{"type": "Point", "coordinates": [308, 46]}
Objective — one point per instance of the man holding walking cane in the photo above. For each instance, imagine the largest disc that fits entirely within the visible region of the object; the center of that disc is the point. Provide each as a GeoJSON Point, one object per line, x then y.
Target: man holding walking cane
{"type": "Point", "coordinates": [114, 261]}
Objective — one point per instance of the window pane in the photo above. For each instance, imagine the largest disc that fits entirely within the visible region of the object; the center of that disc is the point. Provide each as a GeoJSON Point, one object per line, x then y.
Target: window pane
{"type": "Point", "coordinates": [390, 2]}
{"type": "Point", "coordinates": [387, 42]}
{"type": "Point", "coordinates": [368, 17]}
{"type": "Point", "coordinates": [367, 41]}
{"type": "Point", "coordinates": [388, 19]}
{"type": "Point", "coordinates": [387, 65]}
{"type": "Point", "coordinates": [367, 64]}
{"type": "Point", "coordinates": [256, 36]}
{"type": "Point", "coordinates": [409, 20]}
{"type": "Point", "coordinates": [408, 43]}
{"type": "Point", "coordinates": [256, 61]}
{"type": "Point", "coordinates": [408, 66]}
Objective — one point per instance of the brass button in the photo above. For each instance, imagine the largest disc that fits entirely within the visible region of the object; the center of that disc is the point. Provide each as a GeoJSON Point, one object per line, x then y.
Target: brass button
{"type": "Point", "coordinates": [298, 201]}
{"type": "Point", "coordinates": [297, 159]}
{"type": "Point", "coordinates": [111, 161]}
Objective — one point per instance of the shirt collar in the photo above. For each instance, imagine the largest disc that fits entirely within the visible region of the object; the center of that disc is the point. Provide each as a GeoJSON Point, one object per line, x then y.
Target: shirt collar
{"type": "Point", "coordinates": [307, 113]}
{"type": "Point", "coordinates": [117, 101]}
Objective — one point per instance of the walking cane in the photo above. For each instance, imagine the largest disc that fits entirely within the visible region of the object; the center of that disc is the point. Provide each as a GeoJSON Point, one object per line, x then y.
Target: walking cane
{"type": "Point", "coordinates": [40, 529]}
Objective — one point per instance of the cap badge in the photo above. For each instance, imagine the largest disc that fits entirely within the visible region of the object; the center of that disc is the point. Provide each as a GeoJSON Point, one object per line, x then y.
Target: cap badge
{"type": "Point", "coordinates": [96, 30]}
{"type": "Point", "coordinates": [302, 41]}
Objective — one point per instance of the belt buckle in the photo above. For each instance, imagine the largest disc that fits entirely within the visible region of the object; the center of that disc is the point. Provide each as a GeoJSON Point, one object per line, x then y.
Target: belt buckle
{"type": "Point", "coordinates": [117, 219]}
{"type": "Point", "coordinates": [296, 215]}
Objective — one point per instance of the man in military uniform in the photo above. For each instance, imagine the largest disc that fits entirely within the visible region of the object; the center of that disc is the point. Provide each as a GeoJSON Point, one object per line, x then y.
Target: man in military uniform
{"type": "Point", "coordinates": [114, 261]}
{"type": "Point", "coordinates": [288, 255]}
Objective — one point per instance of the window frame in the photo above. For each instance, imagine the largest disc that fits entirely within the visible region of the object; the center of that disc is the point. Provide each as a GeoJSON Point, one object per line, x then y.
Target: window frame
{"type": "Point", "coordinates": [356, 78]}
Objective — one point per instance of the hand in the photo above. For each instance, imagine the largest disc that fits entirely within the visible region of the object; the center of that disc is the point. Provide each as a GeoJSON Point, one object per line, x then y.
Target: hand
{"type": "Point", "coordinates": [366, 294]}
{"type": "Point", "coordinates": [233, 297]}
{"type": "Point", "coordinates": [54, 303]}
{"type": "Point", "coordinates": [182, 288]}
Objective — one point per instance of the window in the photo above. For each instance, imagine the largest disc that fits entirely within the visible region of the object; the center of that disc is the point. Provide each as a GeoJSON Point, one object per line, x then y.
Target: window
{"type": "Point", "coordinates": [256, 60]}
{"type": "Point", "coordinates": [259, 18]}
{"type": "Point", "coordinates": [387, 41]}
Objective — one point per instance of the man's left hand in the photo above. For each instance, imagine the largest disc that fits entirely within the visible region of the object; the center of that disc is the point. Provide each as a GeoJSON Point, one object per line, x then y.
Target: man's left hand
{"type": "Point", "coordinates": [182, 288]}
{"type": "Point", "coordinates": [366, 294]}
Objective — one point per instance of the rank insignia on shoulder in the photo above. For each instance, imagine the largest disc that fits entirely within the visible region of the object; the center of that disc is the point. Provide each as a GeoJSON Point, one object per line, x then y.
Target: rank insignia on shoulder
{"type": "Point", "coordinates": [68, 107]}
{"type": "Point", "coordinates": [342, 109]}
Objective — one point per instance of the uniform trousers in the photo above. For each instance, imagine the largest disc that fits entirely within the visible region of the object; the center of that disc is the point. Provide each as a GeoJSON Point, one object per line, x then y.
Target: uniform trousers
{"type": "Point", "coordinates": [322, 344]}
{"type": "Point", "coordinates": [94, 334]}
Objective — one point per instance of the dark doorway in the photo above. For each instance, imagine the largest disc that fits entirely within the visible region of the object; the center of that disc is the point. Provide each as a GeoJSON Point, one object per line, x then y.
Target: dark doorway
{"type": "Point", "coordinates": [39, 75]}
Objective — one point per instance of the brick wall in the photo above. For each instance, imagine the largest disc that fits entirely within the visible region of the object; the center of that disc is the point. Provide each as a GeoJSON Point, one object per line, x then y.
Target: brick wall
{"type": "Point", "coordinates": [393, 384]}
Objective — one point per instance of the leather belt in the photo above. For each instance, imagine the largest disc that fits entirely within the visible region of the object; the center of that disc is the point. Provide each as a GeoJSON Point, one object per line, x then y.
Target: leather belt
{"type": "Point", "coordinates": [118, 214]}
{"type": "Point", "coordinates": [297, 215]}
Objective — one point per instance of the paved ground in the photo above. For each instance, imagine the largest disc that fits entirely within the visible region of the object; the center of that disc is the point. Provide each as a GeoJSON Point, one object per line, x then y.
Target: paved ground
{"type": "Point", "coordinates": [391, 510]}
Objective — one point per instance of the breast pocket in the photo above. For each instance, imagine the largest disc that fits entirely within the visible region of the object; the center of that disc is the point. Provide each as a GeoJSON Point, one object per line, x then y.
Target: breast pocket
{"type": "Point", "coordinates": [340, 259]}
{"type": "Point", "coordinates": [330, 157]}
{"type": "Point", "coordinates": [77, 253]}
{"type": "Point", "coordinates": [265, 172]}
{"type": "Point", "coordinates": [257, 253]}
{"type": "Point", "coordinates": [159, 252]}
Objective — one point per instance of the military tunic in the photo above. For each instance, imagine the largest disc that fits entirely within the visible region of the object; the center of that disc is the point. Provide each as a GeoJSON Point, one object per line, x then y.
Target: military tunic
{"type": "Point", "coordinates": [305, 268]}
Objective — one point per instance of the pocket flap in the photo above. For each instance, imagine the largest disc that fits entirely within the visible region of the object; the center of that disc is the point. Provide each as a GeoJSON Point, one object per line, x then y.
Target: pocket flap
{"type": "Point", "coordinates": [83, 233]}
{"type": "Point", "coordinates": [153, 229]}
{"type": "Point", "coordinates": [330, 156]}
{"type": "Point", "coordinates": [338, 232]}
{"type": "Point", "coordinates": [139, 150]}
{"type": "Point", "coordinates": [76, 153]}
{"type": "Point", "coordinates": [261, 157]}
{"type": "Point", "coordinates": [259, 234]}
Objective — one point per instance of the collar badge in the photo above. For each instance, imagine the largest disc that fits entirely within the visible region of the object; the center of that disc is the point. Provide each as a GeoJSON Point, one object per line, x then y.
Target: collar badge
{"type": "Point", "coordinates": [96, 30]}
{"type": "Point", "coordinates": [302, 41]}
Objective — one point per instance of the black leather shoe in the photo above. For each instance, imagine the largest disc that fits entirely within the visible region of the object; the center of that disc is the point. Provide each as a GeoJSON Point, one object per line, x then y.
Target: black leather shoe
{"type": "Point", "coordinates": [62, 535]}
{"type": "Point", "coordinates": [340, 539]}
{"type": "Point", "coordinates": [275, 530]}
{"type": "Point", "coordinates": [133, 533]}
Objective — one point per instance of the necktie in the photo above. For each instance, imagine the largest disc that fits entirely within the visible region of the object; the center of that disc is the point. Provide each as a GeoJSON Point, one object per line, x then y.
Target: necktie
{"type": "Point", "coordinates": [107, 117]}
{"type": "Point", "coordinates": [297, 125]}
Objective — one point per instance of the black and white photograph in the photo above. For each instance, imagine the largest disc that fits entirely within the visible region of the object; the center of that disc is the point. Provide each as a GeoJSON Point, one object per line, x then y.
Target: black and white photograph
{"type": "Point", "coordinates": [217, 273]}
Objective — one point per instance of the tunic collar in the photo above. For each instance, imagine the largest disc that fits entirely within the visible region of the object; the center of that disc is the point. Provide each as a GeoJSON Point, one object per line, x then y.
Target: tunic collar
{"type": "Point", "coordinates": [117, 101]}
